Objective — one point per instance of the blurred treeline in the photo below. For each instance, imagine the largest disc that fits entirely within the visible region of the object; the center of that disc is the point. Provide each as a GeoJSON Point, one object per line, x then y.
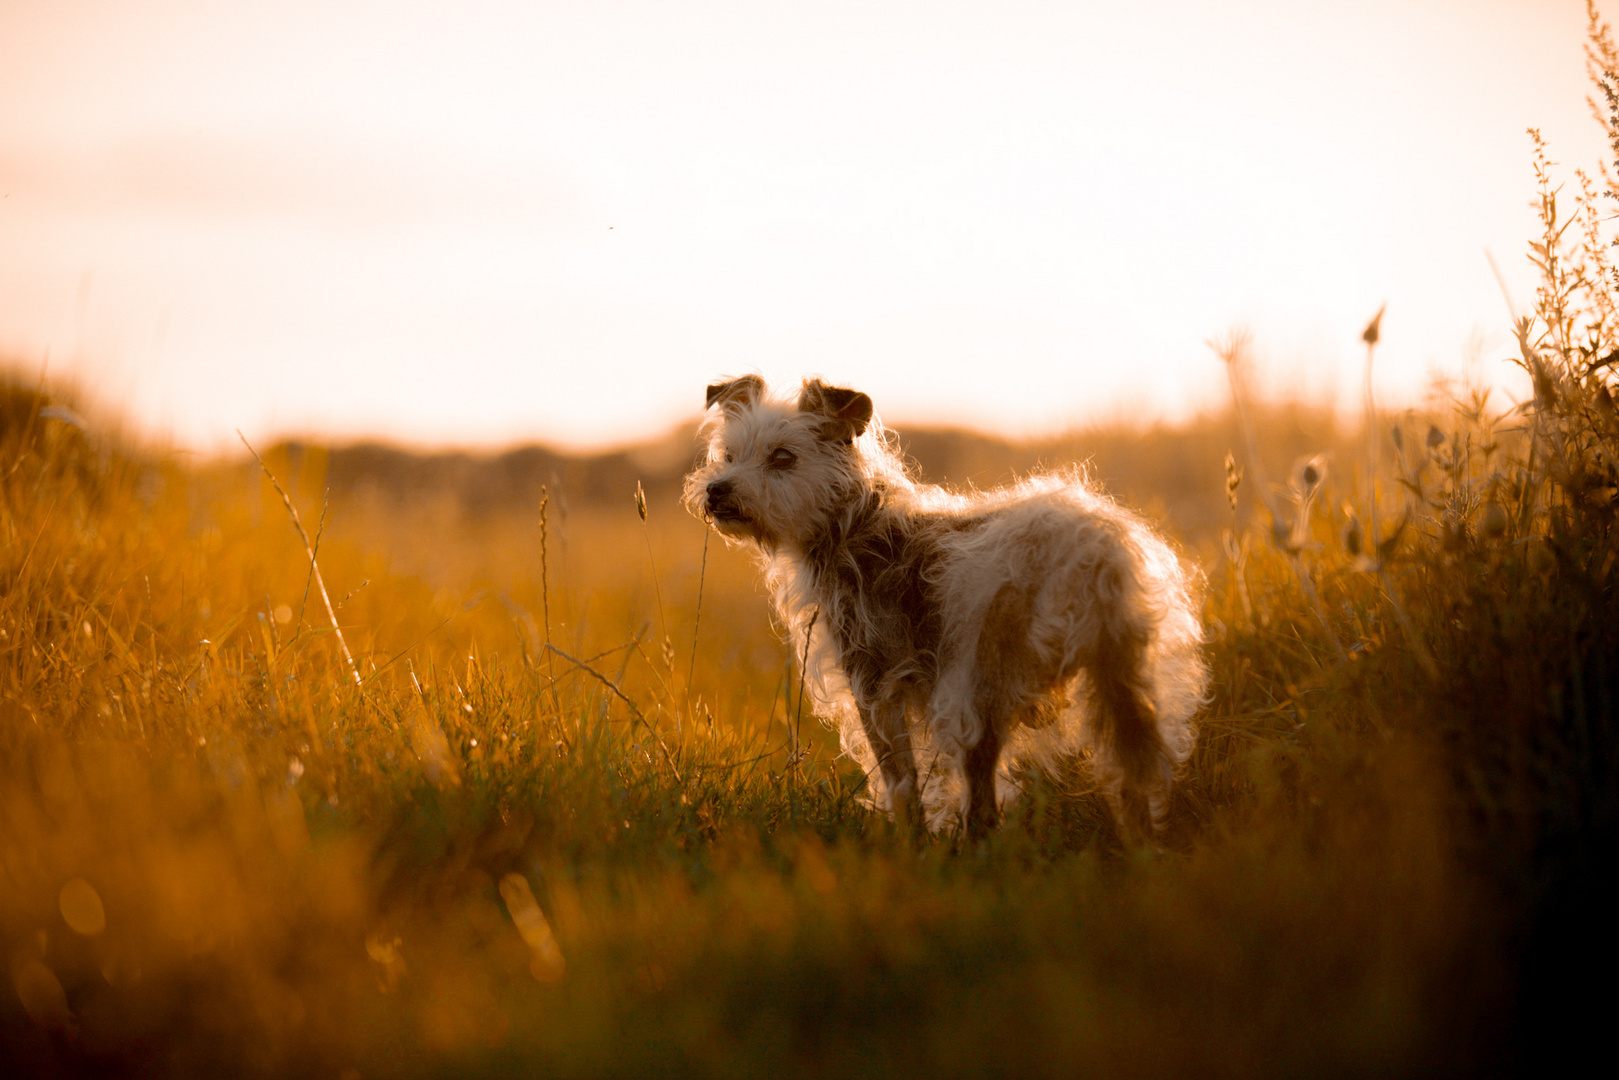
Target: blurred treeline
{"type": "Point", "coordinates": [1174, 473]}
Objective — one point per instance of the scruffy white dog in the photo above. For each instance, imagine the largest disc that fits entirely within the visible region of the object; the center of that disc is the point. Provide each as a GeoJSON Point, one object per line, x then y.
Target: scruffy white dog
{"type": "Point", "coordinates": [954, 636]}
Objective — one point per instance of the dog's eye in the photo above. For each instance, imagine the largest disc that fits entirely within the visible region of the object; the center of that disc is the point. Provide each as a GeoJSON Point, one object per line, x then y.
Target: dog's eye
{"type": "Point", "coordinates": [729, 457]}
{"type": "Point", "coordinates": [782, 458]}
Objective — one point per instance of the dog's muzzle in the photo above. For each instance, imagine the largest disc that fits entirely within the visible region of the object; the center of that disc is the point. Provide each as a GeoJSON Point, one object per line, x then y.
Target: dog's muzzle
{"type": "Point", "coordinates": [722, 504]}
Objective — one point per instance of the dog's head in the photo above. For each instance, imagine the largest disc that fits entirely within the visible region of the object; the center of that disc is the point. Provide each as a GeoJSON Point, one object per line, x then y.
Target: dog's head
{"type": "Point", "coordinates": [776, 468]}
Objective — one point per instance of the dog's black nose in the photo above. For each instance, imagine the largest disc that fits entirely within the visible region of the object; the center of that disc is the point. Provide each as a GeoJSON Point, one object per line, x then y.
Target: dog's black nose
{"type": "Point", "coordinates": [719, 489]}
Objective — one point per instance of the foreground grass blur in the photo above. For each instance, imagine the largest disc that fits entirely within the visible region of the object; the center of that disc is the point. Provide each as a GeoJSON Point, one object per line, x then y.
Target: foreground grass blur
{"type": "Point", "coordinates": [628, 853]}
{"type": "Point", "coordinates": [543, 800]}
{"type": "Point", "coordinates": [606, 857]}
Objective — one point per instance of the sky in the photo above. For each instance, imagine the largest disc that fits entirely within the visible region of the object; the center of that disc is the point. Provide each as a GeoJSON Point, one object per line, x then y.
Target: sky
{"type": "Point", "coordinates": [477, 223]}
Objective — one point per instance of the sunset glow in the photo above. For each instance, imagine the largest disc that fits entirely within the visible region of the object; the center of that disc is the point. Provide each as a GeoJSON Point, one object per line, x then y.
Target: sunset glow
{"type": "Point", "coordinates": [474, 224]}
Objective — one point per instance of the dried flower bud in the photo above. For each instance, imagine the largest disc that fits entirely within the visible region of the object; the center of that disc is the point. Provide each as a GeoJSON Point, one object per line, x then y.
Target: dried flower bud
{"type": "Point", "coordinates": [1545, 387]}
{"type": "Point", "coordinates": [1353, 539]}
{"type": "Point", "coordinates": [640, 500]}
{"type": "Point", "coordinates": [1387, 545]}
{"type": "Point", "coordinates": [1308, 474]}
{"type": "Point", "coordinates": [1372, 328]}
{"type": "Point", "coordinates": [1603, 399]}
{"type": "Point", "coordinates": [1494, 522]}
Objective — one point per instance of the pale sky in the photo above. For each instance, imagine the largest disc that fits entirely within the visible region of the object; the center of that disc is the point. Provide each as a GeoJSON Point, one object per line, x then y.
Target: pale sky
{"type": "Point", "coordinates": [475, 223]}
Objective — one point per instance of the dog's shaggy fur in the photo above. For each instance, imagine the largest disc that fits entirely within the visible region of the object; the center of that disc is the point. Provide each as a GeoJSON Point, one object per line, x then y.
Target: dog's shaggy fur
{"type": "Point", "coordinates": [952, 637]}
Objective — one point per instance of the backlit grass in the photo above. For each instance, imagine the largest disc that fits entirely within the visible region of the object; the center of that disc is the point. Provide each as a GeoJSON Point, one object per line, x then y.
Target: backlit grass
{"type": "Point", "coordinates": [543, 817]}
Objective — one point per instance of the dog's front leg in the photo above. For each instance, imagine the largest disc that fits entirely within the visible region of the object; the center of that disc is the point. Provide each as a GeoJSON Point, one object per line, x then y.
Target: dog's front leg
{"type": "Point", "coordinates": [884, 721]}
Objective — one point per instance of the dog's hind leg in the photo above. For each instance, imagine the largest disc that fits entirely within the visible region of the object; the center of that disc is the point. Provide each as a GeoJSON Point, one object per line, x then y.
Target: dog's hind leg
{"type": "Point", "coordinates": [982, 813]}
{"type": "Point", "coordinates": [1005, 669]}
{"type": "Point", "coordinates": [884, 722]}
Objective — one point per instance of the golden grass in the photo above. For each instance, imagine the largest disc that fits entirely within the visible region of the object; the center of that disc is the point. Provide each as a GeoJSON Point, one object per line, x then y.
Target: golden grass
{"type": "Point", "coordinates": [558, 826]}
{"type": "Point", "coordinates": [298, 874]}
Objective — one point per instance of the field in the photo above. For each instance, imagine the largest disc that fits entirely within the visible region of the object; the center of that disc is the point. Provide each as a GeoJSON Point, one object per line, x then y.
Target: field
{"type": "Point", "coordinates": [354, 762]}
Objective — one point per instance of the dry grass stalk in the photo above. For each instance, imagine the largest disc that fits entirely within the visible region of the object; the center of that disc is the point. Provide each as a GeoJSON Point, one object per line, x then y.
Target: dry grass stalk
{"type": "Point", "coordinates": [314, 566]}
{"type": "Point", "coordinates": [635, 710]}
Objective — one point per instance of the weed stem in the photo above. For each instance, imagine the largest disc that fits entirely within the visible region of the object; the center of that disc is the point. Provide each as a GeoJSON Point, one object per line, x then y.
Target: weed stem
{"type": "Point", "coordinates": [314, 567]}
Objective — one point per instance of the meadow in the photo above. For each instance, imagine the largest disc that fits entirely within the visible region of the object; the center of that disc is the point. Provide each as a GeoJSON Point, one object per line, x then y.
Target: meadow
{"type": "Point", "coordinates": [347, 761]}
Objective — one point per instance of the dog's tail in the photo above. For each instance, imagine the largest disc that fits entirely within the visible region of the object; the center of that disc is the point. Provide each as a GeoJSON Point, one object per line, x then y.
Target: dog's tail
{"type": "Point", "coordinates": [1144, 675]}
{"type": "Point", "coordinates": [1130, 760]}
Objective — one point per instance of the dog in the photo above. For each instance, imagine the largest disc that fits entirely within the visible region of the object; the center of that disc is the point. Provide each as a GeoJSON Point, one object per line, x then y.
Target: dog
{"type": "Point", "coordinates": [956, 637]}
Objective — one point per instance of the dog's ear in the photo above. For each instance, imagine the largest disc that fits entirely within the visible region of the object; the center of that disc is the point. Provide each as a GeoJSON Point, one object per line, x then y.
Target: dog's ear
{"type": "Point", "coordinates": [847, 411]}
{"type": "Point", "coordinates": [738, 393]}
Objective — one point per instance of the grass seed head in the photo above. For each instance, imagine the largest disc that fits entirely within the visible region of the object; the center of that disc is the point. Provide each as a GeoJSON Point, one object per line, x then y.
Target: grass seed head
{"type": "Point", "coordinates": [1233, 479]}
